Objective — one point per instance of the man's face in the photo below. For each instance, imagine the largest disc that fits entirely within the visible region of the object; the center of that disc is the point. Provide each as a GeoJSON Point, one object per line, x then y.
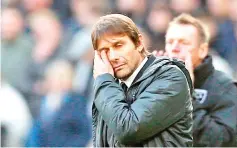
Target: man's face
{"type": "Point", "coordinates": [182, 40]}
{"type": "Point", "coordinates": [122, 53]}
{"type": "Point", "coordinates": [12, 24]}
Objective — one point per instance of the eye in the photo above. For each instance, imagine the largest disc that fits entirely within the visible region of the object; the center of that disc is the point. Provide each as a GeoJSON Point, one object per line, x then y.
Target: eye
{"type": "Point", "coordinates": [169, 41]}
{"type": "Point", "coordinates": [185, 42]}
{"type": "Point", "coordinates": [118, 45]}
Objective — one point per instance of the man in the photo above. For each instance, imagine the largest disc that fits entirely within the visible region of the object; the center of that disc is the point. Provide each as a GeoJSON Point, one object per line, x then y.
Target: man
{"type": "Point", "coordinates": [63, 120]}
{"type": "Point", "coordinates": [215, 94]}
{"type": "Point", "coordinates": [155, 110]}
{"type": "Point", "coordinates": [16, 49]}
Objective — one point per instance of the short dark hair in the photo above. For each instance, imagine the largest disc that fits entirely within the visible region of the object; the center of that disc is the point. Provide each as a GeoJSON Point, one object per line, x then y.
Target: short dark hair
{"type": "Point", "coordinates": [115, 24]}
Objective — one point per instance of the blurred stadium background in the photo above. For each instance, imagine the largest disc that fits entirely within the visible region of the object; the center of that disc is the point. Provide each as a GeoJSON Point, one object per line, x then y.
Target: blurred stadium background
{"type": "Point", "coordinates": [47, 57]}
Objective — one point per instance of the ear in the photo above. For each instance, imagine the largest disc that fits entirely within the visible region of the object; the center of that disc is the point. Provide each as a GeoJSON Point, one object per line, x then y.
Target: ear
{"type": "Point", "coordinates": [140, 46]}
{"type": "Point", "coordinates": [203, 50]}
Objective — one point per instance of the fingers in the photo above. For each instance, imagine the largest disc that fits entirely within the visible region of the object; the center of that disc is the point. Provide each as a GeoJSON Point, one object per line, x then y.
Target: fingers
{"type": "Point", "coordinates": [158, 53]}
{"type": "Point", "coordinates": [161, 52]}
{"type": "Point", "coordinates": [104, 57]}
{"type": "Point", "coordinates": [166, 54]}
{"type": "Point", "coordinates": [102, 64]}
{"type": "Point", "coordinates": [96, 56]}
{"type": "Point", "coordinates": [154, 52]}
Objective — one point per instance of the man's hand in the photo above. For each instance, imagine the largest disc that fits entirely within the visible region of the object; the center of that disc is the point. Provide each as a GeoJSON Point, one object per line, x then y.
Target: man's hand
{"type": "Point", "coordinates": [102, 64]}
{"type": "Point", "coordinates": [159, 53]}
{"type": "Point", "coordinates": [189, 65]}
{"type": "Point", "coordinates": [188, 61]}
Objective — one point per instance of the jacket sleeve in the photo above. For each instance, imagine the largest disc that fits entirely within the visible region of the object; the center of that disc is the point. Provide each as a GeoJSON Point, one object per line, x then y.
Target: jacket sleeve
{"type": "Point", "coordinates": [216, 127]}
{"type": "Point", "coordinates": [160, 105]}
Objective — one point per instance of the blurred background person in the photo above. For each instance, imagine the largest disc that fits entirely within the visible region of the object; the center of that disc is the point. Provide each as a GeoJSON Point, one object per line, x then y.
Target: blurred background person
{"type": "Point", "coordinates": [232, 12]}
{"type": "Point", "coordinates": [81, 9]}
{"type": "Point", "coordinates": [82, 59]}
{"type": "Point", "coordinates": [36, 32]}
{"type": "Point", "coordinates": [218, 62]}
{"type": "Point", "coordinates": [185, 6]}
{"type": "Point", "coordinates": [146, 39]}
{"type": "Point", "coordinates": [16, 49]}
{"type": "Point", "coordinates": [36, 5]}
{"type": "Point", "coordinates": [157, 22]}
{"type": "Point", "coordinates": [78, 47]}
{"type": "Point", "coordinates": [214, 94]}
{"type": "Point", "coordinates": [15, 116]}
{"type": "Point", "coordinates": [62, 120]}
{"type": "Point", "coordinates": [226, 41]}
{"type": "Point", "coordinates": [10, 3]}
{"type": "Point", "coordinates": [47, 32]}
{"type": "Point", "coordinates": [135, 9]}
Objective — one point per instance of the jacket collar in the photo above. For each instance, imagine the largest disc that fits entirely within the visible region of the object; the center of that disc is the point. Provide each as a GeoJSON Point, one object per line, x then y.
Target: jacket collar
{"type": "Point", "coordinates": [203, 71]}
{"type": "Point", "coordinates": [150, 60]}
{"type": "Point", "coordinates": [131, 78]}
{"type": "Point", "coordinates": [149, 68]}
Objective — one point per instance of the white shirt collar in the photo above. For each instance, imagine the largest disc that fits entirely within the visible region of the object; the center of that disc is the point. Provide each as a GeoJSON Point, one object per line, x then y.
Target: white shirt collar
{"type": "Point", "coordinates": [129, 81]}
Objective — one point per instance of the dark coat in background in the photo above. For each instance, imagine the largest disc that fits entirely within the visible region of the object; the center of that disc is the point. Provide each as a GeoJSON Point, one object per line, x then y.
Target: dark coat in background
{"type": "Point", "coordinates": [215, 113]}
{"type": "Point", "coordinates": [68, 127]}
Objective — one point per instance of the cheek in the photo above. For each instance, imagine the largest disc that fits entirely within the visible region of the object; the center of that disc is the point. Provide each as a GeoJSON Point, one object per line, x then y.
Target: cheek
{"type": "Point", "coordinates": [169, 51]}
{"type": "Point", "coordinates": [183, 52]}
{"type": "Point", "coordinates": [128, 55]}
{"type": "Point", "coordinates": [130, 59]}
{"type": "Point", "coordinates": [167, 48]}
{"type": "Point", "coordinates": [195, 55]}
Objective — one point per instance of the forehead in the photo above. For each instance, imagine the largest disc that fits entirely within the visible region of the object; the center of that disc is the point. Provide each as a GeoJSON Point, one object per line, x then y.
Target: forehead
{"type": "Point", "coordinates": [184, 31]}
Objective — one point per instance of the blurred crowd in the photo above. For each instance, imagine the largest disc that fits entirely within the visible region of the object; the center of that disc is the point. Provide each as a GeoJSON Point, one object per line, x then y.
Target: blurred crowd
{"type": "Point", "coordinates": [47, 60]}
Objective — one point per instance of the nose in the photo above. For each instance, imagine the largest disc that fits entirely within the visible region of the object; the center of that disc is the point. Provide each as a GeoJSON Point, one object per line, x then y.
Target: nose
{"type": "Point", "coordinates": [112, 54]}
{"type": "Point", "coordinates": [175, 46]}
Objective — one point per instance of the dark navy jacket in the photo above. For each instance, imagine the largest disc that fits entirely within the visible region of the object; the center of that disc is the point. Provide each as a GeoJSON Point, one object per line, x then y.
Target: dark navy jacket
{"type": "Point", "coordinates": [69, 126]}
{"type": "Point", "coordinates": [215, 112]}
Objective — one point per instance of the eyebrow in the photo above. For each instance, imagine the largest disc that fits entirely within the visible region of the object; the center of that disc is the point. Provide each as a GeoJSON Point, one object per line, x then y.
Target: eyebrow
{"type": "Point", "coordinates": [118, 42]}
{"type": "Point", "coordinates": [182, 39]}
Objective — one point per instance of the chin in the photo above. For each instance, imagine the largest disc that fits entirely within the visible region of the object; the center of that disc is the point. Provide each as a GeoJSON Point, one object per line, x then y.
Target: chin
{"type": "Point", "coordinates": [122, 75]}
{"type": "Point", "coordinates": [177, 57]}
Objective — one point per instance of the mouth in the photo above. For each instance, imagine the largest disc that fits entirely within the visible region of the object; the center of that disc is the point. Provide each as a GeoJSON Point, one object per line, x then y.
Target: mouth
{"type": "Point", "coordinates": [118, 67]}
